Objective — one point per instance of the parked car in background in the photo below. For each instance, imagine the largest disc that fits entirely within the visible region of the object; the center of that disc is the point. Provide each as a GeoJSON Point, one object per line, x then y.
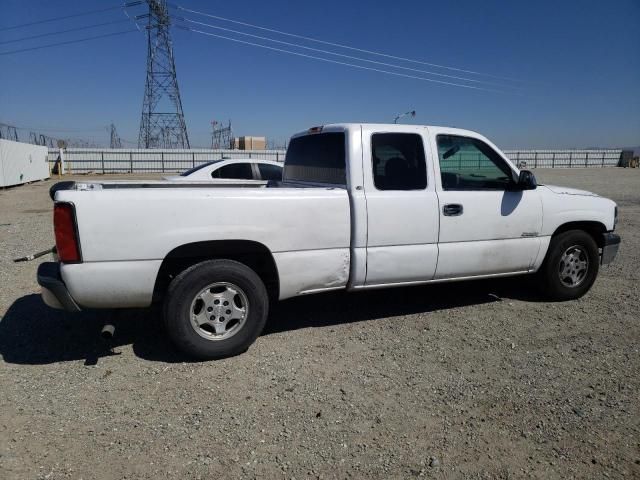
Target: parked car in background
{"type": "Point", "coordinates": [237, 168]}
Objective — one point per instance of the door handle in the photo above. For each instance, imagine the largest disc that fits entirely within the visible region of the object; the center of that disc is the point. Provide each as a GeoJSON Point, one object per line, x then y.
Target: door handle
{"type": "Point", "coordinates": [452, 209]}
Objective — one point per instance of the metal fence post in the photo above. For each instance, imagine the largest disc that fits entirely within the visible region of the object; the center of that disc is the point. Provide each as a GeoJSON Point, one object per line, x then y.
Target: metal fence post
{"type": "Point", "coordinates": [570, 158]}
{"type": "Point", "coordinates": [162, 160]}
{"type": "Point", "coordinates": [130, 162]}
{"type": "Point", "coordinates": [102, 161]}
{"type": "Point", "coordinates": [62, 162]}
{"type": "Point", "coordinates": [586, 160]}
{"type": "Point", "coordinates": [603, 154]}
{"type": "Point", "coordinates": [193, 159]}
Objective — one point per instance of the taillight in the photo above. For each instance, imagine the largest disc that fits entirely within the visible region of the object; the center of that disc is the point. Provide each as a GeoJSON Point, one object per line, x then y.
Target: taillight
{"type": "Point", "coordinates": [64, 226]}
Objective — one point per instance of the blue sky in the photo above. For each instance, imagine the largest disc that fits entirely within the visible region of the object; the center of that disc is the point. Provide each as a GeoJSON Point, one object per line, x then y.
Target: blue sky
{"type": "Point", "coordinates": [578, 64]}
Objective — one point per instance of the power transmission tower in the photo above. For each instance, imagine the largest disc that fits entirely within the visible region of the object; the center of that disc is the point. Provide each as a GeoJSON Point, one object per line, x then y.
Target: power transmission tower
{"type": "Point", "coordinates": [162, 124]}
{"type": "Point", "coordinates": [115, 141]}
{"type": "Point", "coordinates": [221, 136]}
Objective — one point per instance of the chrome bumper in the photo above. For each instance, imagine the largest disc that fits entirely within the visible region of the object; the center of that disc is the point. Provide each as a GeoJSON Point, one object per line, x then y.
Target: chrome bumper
{"type": "Point", "coordinates": [54, 291]}
{"type": "Point", "coordinates": [609, 248]}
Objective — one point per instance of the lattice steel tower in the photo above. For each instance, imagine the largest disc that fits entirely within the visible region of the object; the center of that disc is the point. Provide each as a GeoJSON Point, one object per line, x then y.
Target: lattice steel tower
{"type": "Point", "coordinates": [114, 138]}
{"type": "Point", "coordinates": [221, 136]}
{"type": "Point", "coordinates": [162, 124]}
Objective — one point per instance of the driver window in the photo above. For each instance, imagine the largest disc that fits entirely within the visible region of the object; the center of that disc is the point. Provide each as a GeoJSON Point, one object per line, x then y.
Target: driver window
{"type": "Point", "coordinates": [470, 164]}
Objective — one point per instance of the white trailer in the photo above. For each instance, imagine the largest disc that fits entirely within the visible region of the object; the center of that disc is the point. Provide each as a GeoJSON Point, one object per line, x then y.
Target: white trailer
{"type": "Point", "coordinates": [22, 163]}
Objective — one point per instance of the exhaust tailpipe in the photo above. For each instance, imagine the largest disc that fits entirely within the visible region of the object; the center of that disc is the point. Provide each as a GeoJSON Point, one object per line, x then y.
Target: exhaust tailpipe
{"type": "Point", "coordinates": [108, 331]}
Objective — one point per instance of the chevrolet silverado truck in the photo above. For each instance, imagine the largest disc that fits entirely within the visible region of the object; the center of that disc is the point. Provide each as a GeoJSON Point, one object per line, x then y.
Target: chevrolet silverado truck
{"type": "Point", "coordinates": [360, 206]}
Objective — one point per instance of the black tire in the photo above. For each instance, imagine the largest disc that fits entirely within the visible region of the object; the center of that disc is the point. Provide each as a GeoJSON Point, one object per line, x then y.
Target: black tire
{"type": "Point", "coordinates": [190, 284]}
{"type": "Point", "coordinates": [553, 286]}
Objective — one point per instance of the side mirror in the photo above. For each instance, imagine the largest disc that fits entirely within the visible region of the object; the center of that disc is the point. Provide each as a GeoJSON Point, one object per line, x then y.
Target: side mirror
{"type": "Point", "coordinates": [526, 180]}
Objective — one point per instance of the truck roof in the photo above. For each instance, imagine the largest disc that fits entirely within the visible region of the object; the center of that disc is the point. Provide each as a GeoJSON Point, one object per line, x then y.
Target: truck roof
{"type": "Point", "coordinates": [384, 127]}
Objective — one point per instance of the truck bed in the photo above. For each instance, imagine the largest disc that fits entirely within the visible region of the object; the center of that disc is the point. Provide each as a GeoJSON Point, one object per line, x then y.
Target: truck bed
{"type": "Point", "coordinates": [126, 229]}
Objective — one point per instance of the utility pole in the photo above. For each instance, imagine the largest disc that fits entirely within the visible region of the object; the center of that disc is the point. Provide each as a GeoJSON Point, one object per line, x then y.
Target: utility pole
{"type": "Point", "coordinates": [162, 124]}
{"type": "Point", "coordinates": [114, 141]}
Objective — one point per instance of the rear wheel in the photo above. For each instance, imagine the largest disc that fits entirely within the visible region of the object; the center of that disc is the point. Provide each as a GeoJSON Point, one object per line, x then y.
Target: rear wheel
{"type": "Point", "coordinates": [216, 309]}
{"type": "Point", "coordinates": [571, 265]}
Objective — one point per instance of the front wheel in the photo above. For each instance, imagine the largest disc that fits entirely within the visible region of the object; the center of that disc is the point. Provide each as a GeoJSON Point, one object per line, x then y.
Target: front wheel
{"type": "Point", "coordinates": [216, 309]}
{"type": "Point", "coordinates": [571, 265]}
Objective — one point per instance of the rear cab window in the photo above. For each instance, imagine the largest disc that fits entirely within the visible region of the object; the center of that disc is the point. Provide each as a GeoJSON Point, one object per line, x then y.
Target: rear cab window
{"type": "Point", "coordinates": [316, 158]}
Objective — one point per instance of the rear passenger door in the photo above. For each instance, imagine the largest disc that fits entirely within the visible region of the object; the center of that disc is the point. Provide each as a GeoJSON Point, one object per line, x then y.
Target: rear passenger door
{"type": "Point", "coordinates": [402, 206]}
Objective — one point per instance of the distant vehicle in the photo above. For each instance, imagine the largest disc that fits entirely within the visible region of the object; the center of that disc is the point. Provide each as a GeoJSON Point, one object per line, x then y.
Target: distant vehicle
{"type": "Point", "coordinates": [237, 168]}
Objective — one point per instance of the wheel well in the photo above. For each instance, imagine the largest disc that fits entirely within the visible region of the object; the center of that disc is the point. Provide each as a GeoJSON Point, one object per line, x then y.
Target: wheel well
{"type": "Point", "coordinates": [253, 254]}
{"type": "Point", "coordinates": [595, 229]}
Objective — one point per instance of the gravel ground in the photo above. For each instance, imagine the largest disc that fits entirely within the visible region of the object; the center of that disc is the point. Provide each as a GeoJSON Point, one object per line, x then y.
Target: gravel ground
{"type": "Point", "coordinates": [471, 380]}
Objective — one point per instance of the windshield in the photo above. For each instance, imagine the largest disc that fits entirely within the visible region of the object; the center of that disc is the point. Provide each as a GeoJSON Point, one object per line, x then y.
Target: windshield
{"type": "Point", "coordinates": [199, 167]}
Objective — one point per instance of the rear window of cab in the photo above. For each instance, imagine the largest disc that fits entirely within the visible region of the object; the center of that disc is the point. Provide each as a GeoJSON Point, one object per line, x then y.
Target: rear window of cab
{"type": "Point", "coordinates": [316, 158]}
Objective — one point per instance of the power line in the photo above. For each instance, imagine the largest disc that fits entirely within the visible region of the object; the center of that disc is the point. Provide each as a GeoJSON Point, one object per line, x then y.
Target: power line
{"type": "Point", "coordinates": [132, 18]}
{"type": "Point", "coordinates": [67, 42]}
{"type": "Point", "coordinates": [341, 63]}
{"type": "Point", "coordinates": [64, 31]}
{"type": "Point", "coordinates": [64, 17]}
{"type": "Point", "coordinates": [351, 57]}
{"type": "Point", "coordinates": [348, 47]}
{"type": "Point", "coordinates": [47, 129]}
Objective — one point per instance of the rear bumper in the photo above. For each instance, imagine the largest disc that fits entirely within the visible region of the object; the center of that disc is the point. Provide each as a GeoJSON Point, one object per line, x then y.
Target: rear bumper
{"type": "Point", "coordinates": [54, 291]}
{"type": "Point", "coordinates": [611, 243]}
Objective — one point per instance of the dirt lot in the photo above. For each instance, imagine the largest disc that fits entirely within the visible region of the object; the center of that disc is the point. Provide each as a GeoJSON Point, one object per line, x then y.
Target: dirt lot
{"type": "Point", "coordinates": [472, 380]}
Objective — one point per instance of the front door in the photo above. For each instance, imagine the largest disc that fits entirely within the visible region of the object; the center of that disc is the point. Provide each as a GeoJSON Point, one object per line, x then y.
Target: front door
{"type": "Point", "coordinates": [485, 226]}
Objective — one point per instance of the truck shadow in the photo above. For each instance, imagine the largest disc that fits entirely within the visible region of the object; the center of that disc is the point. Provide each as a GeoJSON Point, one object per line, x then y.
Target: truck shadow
{"type": "Point", "coordinates": [341, 307]}
{"type": "Point", "coordinates": [33, 334]}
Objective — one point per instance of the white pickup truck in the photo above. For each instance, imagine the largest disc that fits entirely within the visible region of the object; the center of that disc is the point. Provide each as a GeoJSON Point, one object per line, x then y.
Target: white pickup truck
{"type": "Point", "coordinates": [361, 206]}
